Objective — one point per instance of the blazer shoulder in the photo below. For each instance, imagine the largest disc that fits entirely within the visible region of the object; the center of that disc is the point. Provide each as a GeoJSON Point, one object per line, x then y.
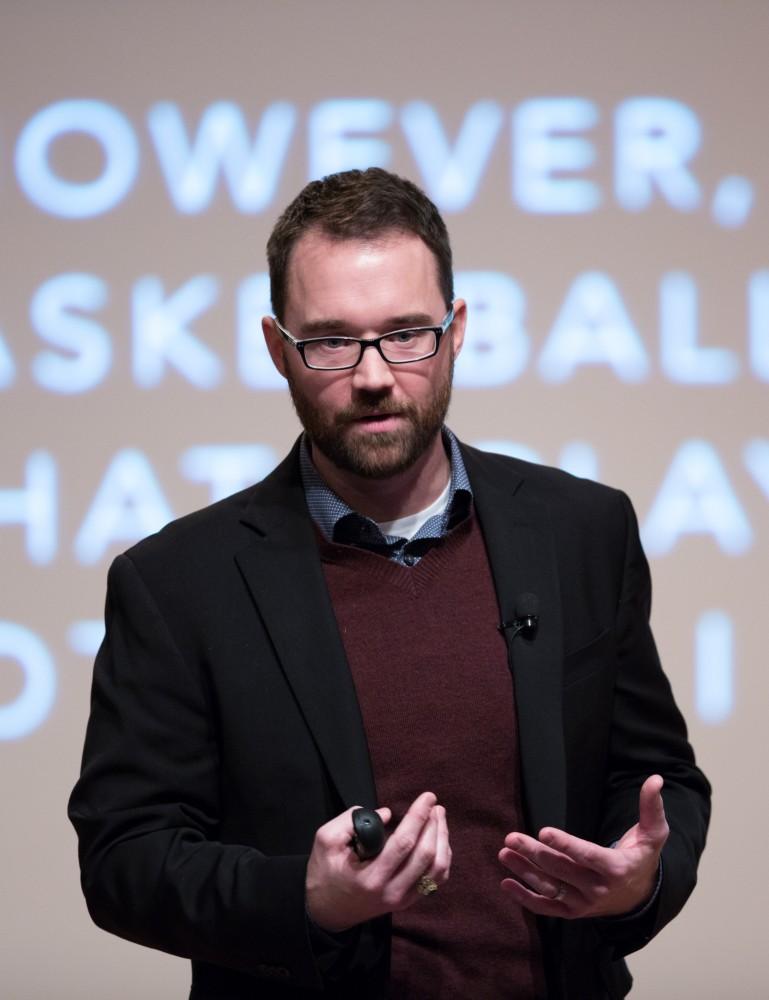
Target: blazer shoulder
{"type": "Point", "coordinates": [206, 527]}
{"type": "Point", "coordinates": [550, 484]}
{"type": "Point", "coordinates": [228, 524]}
{"type": "Point", "coordinates": [583, 514]}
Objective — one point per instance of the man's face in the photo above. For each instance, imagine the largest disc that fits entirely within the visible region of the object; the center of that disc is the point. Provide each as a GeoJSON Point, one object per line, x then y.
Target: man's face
{"type": "Point", "coordinates": [374, 420]}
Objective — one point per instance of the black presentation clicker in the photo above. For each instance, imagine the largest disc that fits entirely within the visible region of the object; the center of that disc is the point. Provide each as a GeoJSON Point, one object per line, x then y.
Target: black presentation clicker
{"type": "Point", "coordinates": [368, 833]}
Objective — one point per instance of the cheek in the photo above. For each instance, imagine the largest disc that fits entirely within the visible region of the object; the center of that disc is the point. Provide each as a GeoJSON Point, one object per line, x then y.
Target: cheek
{"type": "Point", "coordinates": [327, 394]}
{"type": "Point", "coordinates": [422, 385]}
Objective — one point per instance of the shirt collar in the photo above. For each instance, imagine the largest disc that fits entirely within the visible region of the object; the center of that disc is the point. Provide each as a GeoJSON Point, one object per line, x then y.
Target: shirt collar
{"type": "Point", "coordinates": [337, 521]}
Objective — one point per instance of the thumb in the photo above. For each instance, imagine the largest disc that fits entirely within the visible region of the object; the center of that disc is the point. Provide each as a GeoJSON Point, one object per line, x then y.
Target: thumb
{"type": "Point", "coordinates": [651, 810]}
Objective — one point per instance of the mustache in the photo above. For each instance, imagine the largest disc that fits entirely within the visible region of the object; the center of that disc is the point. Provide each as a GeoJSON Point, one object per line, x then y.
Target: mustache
{"type": "Point", "coordinates": [381, 408]}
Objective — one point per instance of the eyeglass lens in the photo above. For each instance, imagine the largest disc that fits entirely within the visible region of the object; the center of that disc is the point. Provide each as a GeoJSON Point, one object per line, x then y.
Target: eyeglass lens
{"type": "Point", "coordinates": [398, 347]}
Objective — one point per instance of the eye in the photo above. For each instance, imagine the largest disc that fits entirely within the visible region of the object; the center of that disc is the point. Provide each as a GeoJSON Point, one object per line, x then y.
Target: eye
{"type": "Point", "coordinates": [403, 336]}
{"type": "Point", "coordinates": [334, 343]}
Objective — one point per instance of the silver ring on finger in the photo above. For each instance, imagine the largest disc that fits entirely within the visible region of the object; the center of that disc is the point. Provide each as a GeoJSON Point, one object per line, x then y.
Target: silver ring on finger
{"type": "Point", "coordinates": [561, 892]}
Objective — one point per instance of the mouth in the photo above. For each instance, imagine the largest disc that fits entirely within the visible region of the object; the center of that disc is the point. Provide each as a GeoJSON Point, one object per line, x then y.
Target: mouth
{"type": "Point", "coordinates": [378, 421]}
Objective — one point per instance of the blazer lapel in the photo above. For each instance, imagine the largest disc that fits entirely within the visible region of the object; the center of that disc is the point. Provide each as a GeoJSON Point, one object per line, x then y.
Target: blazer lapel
{"type": "Point", "coordinates": [521, 554]}
{"type": "Point", "coordinates": [282, 570]}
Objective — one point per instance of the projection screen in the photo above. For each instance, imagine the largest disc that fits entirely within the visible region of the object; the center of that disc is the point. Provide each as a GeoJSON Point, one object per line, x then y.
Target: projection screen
{"type": "Point", "coordinates": [603, 168]}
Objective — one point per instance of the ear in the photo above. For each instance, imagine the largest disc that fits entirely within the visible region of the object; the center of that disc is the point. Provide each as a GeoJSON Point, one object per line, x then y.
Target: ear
{"type": "Point", "coordinates": [458, 326]}
{"type": "Point", "coordinates": [275, 344]}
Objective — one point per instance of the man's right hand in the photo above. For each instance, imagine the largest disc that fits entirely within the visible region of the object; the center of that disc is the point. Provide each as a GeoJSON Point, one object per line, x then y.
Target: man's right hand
{"type": "Point", "coordinates": [342, 891]}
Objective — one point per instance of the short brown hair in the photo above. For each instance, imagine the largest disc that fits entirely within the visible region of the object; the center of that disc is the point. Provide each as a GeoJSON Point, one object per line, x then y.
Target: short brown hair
{"type": "Point", "coordinates": [358, 204]}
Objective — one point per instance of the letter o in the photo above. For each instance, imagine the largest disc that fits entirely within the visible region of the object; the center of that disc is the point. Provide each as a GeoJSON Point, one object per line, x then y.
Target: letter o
{"type": "Point", "coordinates": [77, 200]}
{"type": "Point", "coordinates": [31, 707]}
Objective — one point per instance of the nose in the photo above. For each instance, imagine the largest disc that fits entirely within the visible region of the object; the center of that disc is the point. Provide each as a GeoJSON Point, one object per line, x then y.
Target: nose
{"type": "Point", "coordinates": [372, 373]}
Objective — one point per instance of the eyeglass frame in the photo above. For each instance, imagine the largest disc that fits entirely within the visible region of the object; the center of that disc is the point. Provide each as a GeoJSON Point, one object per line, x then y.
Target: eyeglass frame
{"type": "Point", "coordinates": [439, 330]}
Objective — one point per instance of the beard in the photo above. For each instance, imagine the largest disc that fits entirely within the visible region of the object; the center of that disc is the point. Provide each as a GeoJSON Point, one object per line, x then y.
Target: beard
{"type": "Point", "coordinates": [381, 454]}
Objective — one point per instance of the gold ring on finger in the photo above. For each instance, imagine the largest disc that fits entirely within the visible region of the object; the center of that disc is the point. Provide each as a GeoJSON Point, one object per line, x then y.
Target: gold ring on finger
{"type": "Point", "coordinates": [427, 886]}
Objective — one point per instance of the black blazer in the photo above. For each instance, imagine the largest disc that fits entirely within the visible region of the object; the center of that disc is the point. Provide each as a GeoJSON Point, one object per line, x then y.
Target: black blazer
{"type": "Point", "coordinates": [225, 730]}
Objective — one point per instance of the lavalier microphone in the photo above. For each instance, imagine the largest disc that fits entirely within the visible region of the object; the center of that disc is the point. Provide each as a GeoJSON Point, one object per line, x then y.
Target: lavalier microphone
{"type": "Point", "coordinates": [526, 617]}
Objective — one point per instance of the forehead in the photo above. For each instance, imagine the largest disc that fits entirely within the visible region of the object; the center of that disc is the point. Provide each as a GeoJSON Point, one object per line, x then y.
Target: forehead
{"type": "Point", "coordinates": [332, 278]}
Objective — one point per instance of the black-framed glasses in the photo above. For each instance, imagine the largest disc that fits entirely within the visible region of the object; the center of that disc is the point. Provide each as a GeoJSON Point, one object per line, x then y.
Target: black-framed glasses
{"type": "Point", "coordinates": [400, 347]}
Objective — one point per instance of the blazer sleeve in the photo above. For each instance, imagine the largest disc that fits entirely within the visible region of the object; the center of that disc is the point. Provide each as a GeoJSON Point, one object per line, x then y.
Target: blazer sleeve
{"type": "Point", "coordinates": [146, 810]}
{"type": "Point", "coordinates": [648, 735]}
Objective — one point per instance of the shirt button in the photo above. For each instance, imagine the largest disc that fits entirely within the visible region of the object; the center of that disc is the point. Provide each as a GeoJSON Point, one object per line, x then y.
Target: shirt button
{"type": "Point", "coordinates": [409, 559]}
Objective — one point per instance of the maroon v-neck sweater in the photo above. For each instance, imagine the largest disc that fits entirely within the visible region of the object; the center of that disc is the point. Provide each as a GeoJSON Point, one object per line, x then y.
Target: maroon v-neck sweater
{"type": "Point", "coordinates": [430, 669]}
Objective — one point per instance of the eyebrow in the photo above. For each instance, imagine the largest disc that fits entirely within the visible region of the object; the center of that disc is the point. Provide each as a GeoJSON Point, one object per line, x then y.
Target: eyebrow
{"type": "Point", "coordinates": [318, 327]}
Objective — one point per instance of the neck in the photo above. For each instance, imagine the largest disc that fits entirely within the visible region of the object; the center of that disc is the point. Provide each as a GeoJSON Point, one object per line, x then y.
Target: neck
{"type": "Point", "coordinates": [404, 493]}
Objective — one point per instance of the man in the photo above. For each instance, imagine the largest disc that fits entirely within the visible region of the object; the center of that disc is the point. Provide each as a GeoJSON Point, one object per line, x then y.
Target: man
{"type": "Point", "coordinates": [391, 620]}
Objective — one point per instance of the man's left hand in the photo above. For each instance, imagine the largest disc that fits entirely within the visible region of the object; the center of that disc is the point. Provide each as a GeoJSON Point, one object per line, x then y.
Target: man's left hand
{"type": "Point", "coordinates": [557, 875]}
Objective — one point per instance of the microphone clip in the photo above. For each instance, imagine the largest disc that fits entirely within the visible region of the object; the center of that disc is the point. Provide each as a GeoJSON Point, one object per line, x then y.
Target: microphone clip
{"type": "Point", "coordinates": [525, 626]}
{"type": "Point", "coordinates": [526, 618]}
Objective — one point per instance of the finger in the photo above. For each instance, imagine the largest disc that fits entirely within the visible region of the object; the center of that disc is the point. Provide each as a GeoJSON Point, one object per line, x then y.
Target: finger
{"type": "Point", "coordinates": [566, 906]}
{"type": "Point", "coordinates": [555, 858]}
{"type": "Point", "coordinates": [651, 810]}
{"type": "Point", "coordinates": [338, 832]}
{"type": "Point", "coordinates": [531, 875]}
{"type": "Point", "coordinates": [442, 864]}
{"type": "Point", "coordinates": [404, 839]}
{"type": "Point", "coordinates": [584, 854]}
{"type": "Point", "coordinates": [421, 861]}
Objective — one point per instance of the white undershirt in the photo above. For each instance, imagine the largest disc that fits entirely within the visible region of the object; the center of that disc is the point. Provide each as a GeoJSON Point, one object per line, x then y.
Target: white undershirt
{"type": "Point", "coordinates": [407, 527]}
